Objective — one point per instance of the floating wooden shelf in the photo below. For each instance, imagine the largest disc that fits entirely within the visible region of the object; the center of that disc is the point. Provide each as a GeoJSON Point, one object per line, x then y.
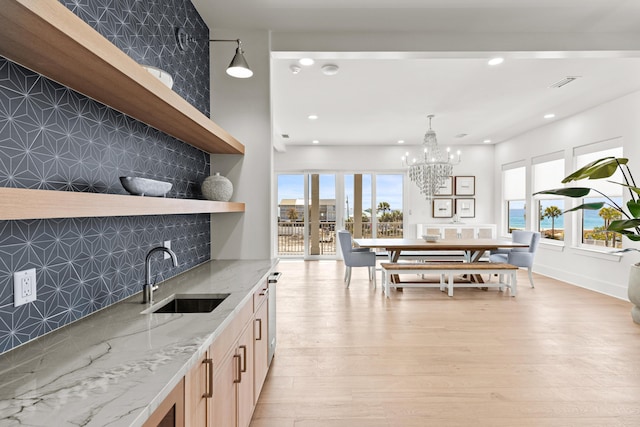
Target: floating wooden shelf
{"type": "Point", "coordinates": [46, 37]}
{"type": "Point", "coordinates": [20, 203]}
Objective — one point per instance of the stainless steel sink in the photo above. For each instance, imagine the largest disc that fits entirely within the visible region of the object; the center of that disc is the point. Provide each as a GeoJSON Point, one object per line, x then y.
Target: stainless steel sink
{"type": "Point", "coordinates": [188, 304]}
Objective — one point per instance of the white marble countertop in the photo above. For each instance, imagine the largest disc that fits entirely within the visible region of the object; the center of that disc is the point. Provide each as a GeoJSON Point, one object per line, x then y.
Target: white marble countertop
{"type": "Point", "coordinates": [114, 367]}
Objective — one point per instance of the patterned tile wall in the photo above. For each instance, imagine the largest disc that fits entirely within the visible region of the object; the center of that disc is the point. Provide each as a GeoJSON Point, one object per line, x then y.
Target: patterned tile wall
{"type": "Point", "coordinates": [146, 31]}
{"type": "Point", "coordinates": [54, 138]}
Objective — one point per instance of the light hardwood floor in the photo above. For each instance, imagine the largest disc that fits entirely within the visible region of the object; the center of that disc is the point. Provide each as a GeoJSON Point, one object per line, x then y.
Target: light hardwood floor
{"type": "Point", "coordinates": [556, 355]}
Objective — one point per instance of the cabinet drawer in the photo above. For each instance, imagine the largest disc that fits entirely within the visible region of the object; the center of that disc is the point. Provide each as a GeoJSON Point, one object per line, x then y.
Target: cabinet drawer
{"type": "Point", "coordinates": [261, 295]}
{"type": "Point", "coordinates": [225, 341]}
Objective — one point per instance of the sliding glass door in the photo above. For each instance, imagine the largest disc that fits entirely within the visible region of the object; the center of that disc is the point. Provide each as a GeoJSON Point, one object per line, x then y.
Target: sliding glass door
{"type": "Point", "coordinates": [312, 206]}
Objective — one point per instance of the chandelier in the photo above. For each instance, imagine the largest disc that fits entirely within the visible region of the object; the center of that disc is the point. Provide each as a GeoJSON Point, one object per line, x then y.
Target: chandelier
{"type": "Point", "coordinates": [430, 172]}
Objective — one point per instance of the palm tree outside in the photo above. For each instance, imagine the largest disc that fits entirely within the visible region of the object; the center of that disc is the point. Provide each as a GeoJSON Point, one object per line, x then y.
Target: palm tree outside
{"type": "Point", "coordinates": [609, 214]}
{"type": "Point", "coordinates": [552, 212]}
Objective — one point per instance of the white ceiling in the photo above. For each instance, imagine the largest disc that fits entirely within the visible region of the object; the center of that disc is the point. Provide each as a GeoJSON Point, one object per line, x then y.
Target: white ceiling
{"type": "Point", "coordinates": [375, 101]}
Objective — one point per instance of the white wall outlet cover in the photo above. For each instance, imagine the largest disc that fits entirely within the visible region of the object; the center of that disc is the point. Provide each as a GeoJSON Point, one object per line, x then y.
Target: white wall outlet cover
{"type": "Point", "coordinates": [167, 244]}
{"type": "Point", "coordinates": [24, 287]}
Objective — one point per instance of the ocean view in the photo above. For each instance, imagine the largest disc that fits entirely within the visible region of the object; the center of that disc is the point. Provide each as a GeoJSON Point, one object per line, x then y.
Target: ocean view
{"type": "Point", "coordinates": [591, 220]}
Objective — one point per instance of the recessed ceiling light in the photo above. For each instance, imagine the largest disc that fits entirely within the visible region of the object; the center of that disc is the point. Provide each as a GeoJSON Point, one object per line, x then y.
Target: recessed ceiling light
{"type": "Point", "coordinates": [306, 61]}
{"type": "Point", "coordinates": [496, 61]}
{"type": "Point", "coordinates": [401, 141]}
{"type": "Point", "coordinates": [315, 141]}
{"type": "Point", "coordinates": [312, 117]}
{"type": "Point", "coordinates": [295, 69]}
{"type": "Point", "coordinates": [330, 69]}
{"type": "Point", "coordinates": [487, 141]}
{"type": "Point", "coordinates": [549, 116]}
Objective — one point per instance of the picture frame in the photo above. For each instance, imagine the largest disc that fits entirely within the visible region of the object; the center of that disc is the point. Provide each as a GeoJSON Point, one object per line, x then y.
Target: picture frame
{"type": "Point", "coordinates": [465, 185]}
{"type": "Point", "coordinates": [466, 207]}
{"type": "Point", "coordinates": [442, 208]}
{"type": "Point", "coordinates": [446, 189]}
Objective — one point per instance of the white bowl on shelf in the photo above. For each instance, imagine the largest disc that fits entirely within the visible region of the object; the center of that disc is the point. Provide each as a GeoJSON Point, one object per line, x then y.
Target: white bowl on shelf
{"type": "Point", "coordinates": [431, 238]}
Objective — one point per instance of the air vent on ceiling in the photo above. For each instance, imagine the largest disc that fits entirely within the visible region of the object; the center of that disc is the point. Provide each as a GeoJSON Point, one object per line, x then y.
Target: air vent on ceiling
{"type": "Point", "coordinates": [285, 136]}
{"type": "Point", "coordinates": [461, 135]}
{"type": "Point", "coordinates": [564, 81]}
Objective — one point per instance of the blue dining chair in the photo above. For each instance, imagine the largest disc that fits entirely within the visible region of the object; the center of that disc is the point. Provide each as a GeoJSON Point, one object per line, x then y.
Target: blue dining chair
{"type": "Point", "coordinates": [356, 257]}
{"type": "Point", "coordinates": [520, 257]}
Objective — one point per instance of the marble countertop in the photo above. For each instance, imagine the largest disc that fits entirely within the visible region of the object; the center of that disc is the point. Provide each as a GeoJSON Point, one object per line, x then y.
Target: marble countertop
{"type": "Point", "coordinates": [114, 367]}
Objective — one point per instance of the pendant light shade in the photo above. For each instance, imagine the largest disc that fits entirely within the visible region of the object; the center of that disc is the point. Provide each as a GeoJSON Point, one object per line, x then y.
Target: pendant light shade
{"type": "Point", "coordinates": [238, 67]}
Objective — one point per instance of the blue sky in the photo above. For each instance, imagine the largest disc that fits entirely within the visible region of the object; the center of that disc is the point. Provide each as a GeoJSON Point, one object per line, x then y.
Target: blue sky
{"type": "Point", "coordinates": [389, 188]}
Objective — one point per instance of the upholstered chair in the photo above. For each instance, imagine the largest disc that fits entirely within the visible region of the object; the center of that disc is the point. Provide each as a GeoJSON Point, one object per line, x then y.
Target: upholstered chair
{"type": "Point", "coordinates": [520, 257]}
{"type": "Point", "coordinates": [356, 257]}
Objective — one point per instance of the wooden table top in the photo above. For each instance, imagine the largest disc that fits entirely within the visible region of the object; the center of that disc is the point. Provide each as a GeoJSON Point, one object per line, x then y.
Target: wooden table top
{"type": "Point", "coordinates": [440, 245]}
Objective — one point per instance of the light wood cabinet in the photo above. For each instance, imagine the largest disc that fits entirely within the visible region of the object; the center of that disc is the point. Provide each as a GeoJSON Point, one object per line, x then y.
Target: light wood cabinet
{"type": "Point", "coordinates": [232, 404]}
{"type": "Point", "coordinates": [223, 388]}
{"type": "Point", "coordinates": [198, 390]}
{"type": "Point", "coordinates": [245, 384]}
{"type": "Point", "coordinates": [170, 413]}
{"type": "Point", "coordinates": [225, 402]}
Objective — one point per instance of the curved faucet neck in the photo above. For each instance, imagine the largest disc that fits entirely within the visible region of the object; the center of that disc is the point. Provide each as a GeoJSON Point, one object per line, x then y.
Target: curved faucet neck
{"type": "Point", "coordinates": [147, 262]}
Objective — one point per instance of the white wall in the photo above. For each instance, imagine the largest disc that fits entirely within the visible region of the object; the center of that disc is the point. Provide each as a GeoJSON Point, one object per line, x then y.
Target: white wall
{"type": "Point", "coordinates": [616, 119]}
{"type": "Point", "coordinates": [242, 107]}
{"type": "Point", "coordinates": [477, 160]}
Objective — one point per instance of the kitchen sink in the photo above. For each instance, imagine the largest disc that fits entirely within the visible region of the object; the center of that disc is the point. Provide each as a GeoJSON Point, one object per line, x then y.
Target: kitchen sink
{"type": "Point", "coordinates": [188, 304]}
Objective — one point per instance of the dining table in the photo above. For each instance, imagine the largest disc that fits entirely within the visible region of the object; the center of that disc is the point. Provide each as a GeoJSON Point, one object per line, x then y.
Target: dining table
{"type": "Point", "coordinates": [473, 249]}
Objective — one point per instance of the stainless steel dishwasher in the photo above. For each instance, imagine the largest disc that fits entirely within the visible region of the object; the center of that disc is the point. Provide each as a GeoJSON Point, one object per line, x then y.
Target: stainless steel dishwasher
{"type": "Point", "coordinates": [273, 281]}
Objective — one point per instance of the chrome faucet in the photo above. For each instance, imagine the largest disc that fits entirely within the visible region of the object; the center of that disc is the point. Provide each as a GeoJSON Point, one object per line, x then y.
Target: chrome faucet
{"type": "Point", "coordinates": [148, 288]}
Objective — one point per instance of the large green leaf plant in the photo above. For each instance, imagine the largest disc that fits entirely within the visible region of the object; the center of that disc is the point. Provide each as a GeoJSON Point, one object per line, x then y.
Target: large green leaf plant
{"type": "Point", "coordinates": [603, 168]}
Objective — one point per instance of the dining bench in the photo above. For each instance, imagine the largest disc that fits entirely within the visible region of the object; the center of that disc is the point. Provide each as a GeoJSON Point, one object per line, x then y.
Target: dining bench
{"type": "Point", "coordinates": [506, 275]}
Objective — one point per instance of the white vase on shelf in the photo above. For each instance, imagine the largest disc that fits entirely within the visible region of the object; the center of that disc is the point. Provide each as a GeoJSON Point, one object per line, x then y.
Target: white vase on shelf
{"type": "Point", "coordinates": [217, 187]}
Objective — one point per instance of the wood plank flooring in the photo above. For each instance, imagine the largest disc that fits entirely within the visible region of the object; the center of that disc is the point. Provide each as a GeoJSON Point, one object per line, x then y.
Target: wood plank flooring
{"type": "Point", "coordinates": [556, 355]}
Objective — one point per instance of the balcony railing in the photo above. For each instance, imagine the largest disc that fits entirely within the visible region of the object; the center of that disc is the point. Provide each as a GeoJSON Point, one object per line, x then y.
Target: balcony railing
{"type": "Point", "coordinates": [291, 236]}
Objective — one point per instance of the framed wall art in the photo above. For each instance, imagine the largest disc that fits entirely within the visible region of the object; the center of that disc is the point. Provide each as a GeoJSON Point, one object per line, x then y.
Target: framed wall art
{"type": "Point", "coordinates": [446, 189]}
{"type": "Point", "coordinates": [442, 208]}
{"type": "Point", "coordinates": [465, 185]}
{"type": "Point", "coordinates": [466, 208]}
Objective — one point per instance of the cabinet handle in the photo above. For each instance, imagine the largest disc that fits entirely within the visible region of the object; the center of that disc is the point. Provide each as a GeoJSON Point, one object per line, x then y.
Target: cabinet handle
{"type": "Point", "coordinates": [209, 393]}
{"type": "Point", "coordinates": [259, 321]}
{"type": "Point", "coordinates": [244, 358]}
{"type": "Point", "coordinates": [237, 380]}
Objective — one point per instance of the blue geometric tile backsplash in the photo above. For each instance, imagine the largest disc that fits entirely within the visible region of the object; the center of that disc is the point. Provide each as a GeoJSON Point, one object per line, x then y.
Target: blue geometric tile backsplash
{"type": "Point", "coordinates": [54, 138]}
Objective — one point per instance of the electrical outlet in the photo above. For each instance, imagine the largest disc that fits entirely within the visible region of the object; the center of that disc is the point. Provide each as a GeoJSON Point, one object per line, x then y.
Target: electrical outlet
{"type": "Point", "coordinates": [24, 287]}
{"type": "Point", "coordinates": [167, 244]}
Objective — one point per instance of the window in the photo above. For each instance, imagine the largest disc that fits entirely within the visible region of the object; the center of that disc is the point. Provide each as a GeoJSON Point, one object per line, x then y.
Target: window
{"type": "Point", "coordinates": [513, 184]}
{"type": "Point", "coordinates": [548, 174]}
{"type": "Point", "coordinates": [389, 218]}
{"type": "Point", "coordinates": [594, 222]}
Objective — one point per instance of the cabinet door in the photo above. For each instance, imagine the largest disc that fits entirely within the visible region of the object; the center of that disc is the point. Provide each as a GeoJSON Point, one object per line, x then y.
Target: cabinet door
{"type": "Point", "coordinates": [225, 401]}
{"type": "Point", "coordinates": [198, 392]}
{"type": "Point", "coordinates": [245, 386]}
{"type": "Point", "coordinates": [261, 350]}
{"type": "Point", "coordinates": [170, 413]}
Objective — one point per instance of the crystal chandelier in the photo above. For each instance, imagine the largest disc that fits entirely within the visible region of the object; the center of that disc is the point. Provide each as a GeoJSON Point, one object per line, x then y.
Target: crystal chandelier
{"type": "Point", "coordinates": [430, 172]}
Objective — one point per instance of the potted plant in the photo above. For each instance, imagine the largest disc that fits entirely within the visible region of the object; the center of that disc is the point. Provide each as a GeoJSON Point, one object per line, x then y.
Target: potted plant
{"type": "Point", "coordinates": [628, 225]}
